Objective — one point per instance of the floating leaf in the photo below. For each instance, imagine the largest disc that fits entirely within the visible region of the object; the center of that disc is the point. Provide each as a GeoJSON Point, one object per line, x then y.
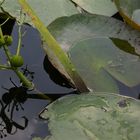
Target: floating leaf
{"type": "Point", "coordinates": [99, 63]}
{"type": "Point", "coordinates": [101, 7]}
{"type": "Point", "coordinates": [69, 30]}
{"type": "Point", "coordinates": [47, 10]}
{"type": "Point", "coordinates": [92, 64]}
{"type": "Point", "coordinates": [130, 11]}
{"type": "Point", "coordinates": [93, 116]}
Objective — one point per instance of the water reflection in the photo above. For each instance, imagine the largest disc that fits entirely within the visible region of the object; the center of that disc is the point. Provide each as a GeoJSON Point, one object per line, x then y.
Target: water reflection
{"type": "Point", "coordinates": [24, 109]}
{"type": "Point", "coordinates": [29, 74]}
{"type": "Point", "coordinates": [55, 75]}
{"type": "Point", "coordinates": [11, 101]}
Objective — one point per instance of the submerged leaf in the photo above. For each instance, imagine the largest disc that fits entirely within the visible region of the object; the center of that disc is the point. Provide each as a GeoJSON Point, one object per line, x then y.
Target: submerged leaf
{"type": "Point", "coordinates": [98, 116]}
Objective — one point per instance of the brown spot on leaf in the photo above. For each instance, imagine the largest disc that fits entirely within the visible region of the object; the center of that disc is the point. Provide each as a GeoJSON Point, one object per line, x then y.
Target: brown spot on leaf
{"type": "Point", "coordinates": [122, 103]}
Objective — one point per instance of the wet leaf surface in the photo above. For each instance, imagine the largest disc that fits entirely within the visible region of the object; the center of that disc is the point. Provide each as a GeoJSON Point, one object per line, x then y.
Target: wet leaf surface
{"type": "Point", "coordinates": [99, 62]}
{"type": "Point", "coordinates": [98, 116]}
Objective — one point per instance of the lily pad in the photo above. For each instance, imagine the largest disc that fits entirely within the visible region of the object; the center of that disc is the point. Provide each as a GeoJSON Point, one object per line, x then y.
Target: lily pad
{"type": "Point", "coordinates": [101, 7]}
{"type": "Point", "coordinates": [130, 11]}
{"type": "Point", "coordinates": [77, 30]}
{"type": "Point", "coordinates": [93, 116]}
{"type": "Point", "coordinates": [46, 10]}
{"type": "Point", "coordinates": [100, 63]}
{"type": "Point", "coordinates": [69, 30]}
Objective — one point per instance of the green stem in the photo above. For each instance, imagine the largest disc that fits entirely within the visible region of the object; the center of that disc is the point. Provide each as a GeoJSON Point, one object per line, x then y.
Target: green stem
{"type": "Point", "coordinates": [7, 52]}
{"type": "Point", "coordinates": [24, 80]}
{"type": "Point", "coordinates": [19, 40]}
{"type": "Point", "coordinates": [55, 49]}
{"type": "Point", "coordinates": [4, 67]}
{"type": "Point", "coordinates": [4, 22]}
{"type": "Point", "coordinates": [39, 96]}
{"type": "Point", "coordinates": [1, 34]}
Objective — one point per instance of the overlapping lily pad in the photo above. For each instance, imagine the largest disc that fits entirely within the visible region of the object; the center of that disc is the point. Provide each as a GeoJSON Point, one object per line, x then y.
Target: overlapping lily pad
{"type": "Point", "coordinates": [100, 63]}
{"type": "Point", "coordinates": [130, 10]}
{"type": "Point", "coordinates": [69, 30]}
{"type": "Point", "coordinates": [99, 60]}
{"type": "Point", "coordinates": [93, 116]}
{"type": "Point", "coordinates": [101, 7]}
{"type": "Point", "coordinates": [46, 10]}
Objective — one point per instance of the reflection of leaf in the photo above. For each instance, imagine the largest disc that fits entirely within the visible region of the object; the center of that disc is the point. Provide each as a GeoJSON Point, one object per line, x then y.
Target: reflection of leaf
{"type": "Point", "coordinates": [54, 74]}
{"type": "Point", "coordinates": [93, 116]}
{"type": "Point", "coordinates": [101, 7]}
{"type": "Point", "coordinates": [130, 11]}
{"type": "Point", "coordinates": [125, 46]}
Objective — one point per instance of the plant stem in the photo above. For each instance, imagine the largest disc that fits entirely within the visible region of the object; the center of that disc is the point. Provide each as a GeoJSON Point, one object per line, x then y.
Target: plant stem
{"type": "Point", "coordinates": [54, 49]}
{"type": "Point", "coordinates": [39, 96]}
{"type": "Point", "coordinates": [7, 52]}
{"type": "Point", "coordinates": [4, 22]}
{"type": "Point", "coordinates": [24, 79]}
{"type": "Point", "coordinates": [4, 67]}
{"type": "Point", "coordinates": [19, 40]}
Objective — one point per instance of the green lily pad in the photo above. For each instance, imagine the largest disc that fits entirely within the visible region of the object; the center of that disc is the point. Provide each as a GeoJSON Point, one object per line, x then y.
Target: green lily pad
{"type": "Point", "coordinates": [100, 63]}
{"type": "Point", "coordinates": [69, 30]}
{"type": "Point", "coordinates": [46, 10]}
{"type": "Point", "coordinates": [130, 11]}
{"type": "Point", "coordinates": [101, 7]}
{"type": "Point", "coordinates": [93, 116]}
{"type": "Point", "coordinates": [95, 66]}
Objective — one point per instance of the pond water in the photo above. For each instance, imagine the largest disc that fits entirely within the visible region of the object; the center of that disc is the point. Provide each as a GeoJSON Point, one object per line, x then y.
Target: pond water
{"type": "Point", "coordinates": [33, 58]}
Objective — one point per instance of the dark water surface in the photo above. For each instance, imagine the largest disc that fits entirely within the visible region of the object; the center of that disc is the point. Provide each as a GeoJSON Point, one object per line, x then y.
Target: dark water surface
{"type": "Point", "coordinates": [33, 57]}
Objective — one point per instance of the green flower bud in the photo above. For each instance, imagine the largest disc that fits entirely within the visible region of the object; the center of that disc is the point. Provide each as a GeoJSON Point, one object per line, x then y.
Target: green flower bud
{"type": "Point", "coordinates": [16, 61]}
{"type": "Point", "coordinates": [8, 40]}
